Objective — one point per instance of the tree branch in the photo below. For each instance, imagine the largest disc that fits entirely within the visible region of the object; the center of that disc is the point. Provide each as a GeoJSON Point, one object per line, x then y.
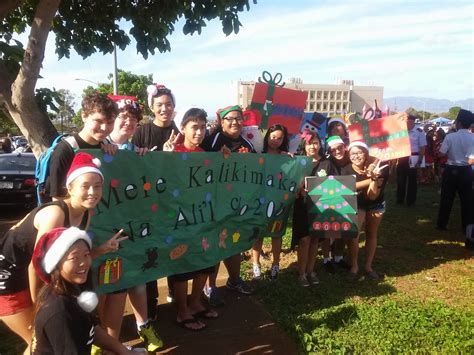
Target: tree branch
{"type": "Point", "coordinates": [7, 6]}
{"type": "Point", "coordinates": [24, 86]}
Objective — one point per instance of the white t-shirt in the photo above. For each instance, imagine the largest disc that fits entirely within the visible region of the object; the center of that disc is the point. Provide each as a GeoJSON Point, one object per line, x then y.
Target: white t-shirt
{"type": "Point", "coordinates": [417, 140]}
{"type": "Point", "coordinates": [458, 146]}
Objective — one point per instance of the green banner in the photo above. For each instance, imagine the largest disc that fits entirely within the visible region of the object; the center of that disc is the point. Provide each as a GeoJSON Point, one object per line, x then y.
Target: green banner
{"type": "Point", "coordinates": [184, 212]}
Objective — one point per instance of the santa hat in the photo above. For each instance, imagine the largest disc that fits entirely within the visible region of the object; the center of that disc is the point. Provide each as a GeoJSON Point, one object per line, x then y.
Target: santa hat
{"type": "Point", "coordinates": [51, 248]}
{"type": "Point", "coordinates": [83, 163]}
{"type": "Point", "coordinates": [122, 101]}
{"type": "Point", "coordinates": [334, 140]}
{"type": "Point", "coordinates": [158, 90]}
{"type": "Point", "coordinates": [359, 144]}
{"type": "Point", "coordinates": [222, 112]}
{"type": "Point", "coordinates": [336, 119]}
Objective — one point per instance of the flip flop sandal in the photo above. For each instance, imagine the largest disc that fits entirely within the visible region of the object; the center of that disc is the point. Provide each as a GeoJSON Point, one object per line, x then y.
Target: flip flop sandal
{"type": "Point", "coordinates": [184, 324]}
{"type": "Point", "coordinates": [205, 314]}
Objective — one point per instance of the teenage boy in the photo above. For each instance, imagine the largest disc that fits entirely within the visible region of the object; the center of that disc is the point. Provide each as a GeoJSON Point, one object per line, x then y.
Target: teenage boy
{"type": "Point", "coordinates": [228, 138]}
{"type": "Point", "coordinates": [193, 128]}
{"type": "Point", "coordinates": [98, 115]}
{"type": "Point", "coordinates": [153, 136]}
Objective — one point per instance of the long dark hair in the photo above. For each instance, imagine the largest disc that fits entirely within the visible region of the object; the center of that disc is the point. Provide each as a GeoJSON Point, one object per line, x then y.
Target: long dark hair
{"type": "Point", "coordinates": [284, 147]}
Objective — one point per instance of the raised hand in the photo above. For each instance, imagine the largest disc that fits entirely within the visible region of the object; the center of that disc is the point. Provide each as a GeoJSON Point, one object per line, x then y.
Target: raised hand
{"type": "Point", "coordinates": [112, 244]}
{"type": "Point", "coordinates": [170, 144]}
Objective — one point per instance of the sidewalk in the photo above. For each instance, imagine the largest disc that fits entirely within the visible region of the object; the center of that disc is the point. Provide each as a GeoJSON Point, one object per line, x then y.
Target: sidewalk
{"type": "Point", "coordinates": [243, 327]}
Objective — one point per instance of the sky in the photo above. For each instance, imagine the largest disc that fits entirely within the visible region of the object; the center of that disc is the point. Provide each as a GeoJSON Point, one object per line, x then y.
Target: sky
{"type": "Point", "coordinates": [411, 48]}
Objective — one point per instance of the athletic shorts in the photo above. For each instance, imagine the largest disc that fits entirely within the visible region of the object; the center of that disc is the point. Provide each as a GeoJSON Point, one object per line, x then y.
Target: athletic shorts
{"type": "Point", "coordinates": [15, 302]}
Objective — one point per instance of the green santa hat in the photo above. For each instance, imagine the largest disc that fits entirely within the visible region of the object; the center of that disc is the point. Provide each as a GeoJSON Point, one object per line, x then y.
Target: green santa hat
{"type": "Point", "coordinates": [334, 140]}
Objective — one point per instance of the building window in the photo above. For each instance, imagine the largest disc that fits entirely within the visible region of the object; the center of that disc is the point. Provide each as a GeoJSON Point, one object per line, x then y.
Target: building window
{"type": "Point", "coordinates": [338, 96]}
{"type": "Point", "coordinates": [318, 95]}
{"type": "Point", "coordinates": [325, 95]}
{"type": "Point", "coordinates": [325, 106]}
{"type": "Point", "coordinates": [311, 107]}
{"type": "Point", "coordinates": [338, 106]}
{"type": "Point", "coordinates": [318, 106]}
{"type": "Point", "coordinates": [331, 95]}
{"type": "Point", "coordinates": [311, 95]}
{"type": "Point", "coordinates": [344, 107]}
{"type": "Point", "coordinates": [344, 96]}
{"type": "Point", "coordinates": [331, 106]}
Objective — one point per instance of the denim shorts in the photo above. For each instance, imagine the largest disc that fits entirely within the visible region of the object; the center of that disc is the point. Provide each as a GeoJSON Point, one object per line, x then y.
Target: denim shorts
{"type": "Point", "coordinates": [376, 207]}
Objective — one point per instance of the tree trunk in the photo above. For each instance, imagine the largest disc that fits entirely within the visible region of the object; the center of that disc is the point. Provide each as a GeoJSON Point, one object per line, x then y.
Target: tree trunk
{"type": "Point", "coordinates": [33, 123]}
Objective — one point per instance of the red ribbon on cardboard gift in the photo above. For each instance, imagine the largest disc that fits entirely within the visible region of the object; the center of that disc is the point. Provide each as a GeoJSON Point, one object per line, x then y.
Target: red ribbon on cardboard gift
{"type": "Point", "coordinates": [274, 104]}
{"type": "Point", "coordinates": [110, 271]}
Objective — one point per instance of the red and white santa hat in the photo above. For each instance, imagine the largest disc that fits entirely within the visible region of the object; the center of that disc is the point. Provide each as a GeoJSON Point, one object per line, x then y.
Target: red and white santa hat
{"type": "Point", "coordinates": [51, 248]}
{"type": "Point", "coordinates": [124, 100]}
{"type": "Point", "coordinates": [83, 163]}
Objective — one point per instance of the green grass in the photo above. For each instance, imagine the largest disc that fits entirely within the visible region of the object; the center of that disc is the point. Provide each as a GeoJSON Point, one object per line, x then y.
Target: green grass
{"type": "Point", "coordinates": [423, 306]}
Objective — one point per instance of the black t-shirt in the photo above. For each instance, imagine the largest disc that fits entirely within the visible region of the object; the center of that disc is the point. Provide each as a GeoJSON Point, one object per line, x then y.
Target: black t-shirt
{"type": "Point", "coordinates": [61, 160]}
{"type": "Point", "coordinates": [150, 135]}
{"type": "Point", "coordinates": [62, 327]}
{"type": "Point", "coordinates": [362, 201]}
{"type": "Point", "coordinates": [17, 245]}
{"type": "Point", "coordinates": [216, 141]}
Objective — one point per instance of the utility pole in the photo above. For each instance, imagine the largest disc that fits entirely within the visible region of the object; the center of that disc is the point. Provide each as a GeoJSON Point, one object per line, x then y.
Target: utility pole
{"type": "Point", "coordinates": [115, 83]}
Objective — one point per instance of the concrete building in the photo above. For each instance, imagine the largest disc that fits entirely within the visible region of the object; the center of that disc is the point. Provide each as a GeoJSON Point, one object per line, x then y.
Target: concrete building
{"type": "Point", "coordinates": [323, 98]}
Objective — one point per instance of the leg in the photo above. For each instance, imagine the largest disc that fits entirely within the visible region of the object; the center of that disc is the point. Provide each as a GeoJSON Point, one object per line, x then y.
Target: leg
{"type": "Point", "coordinates": [276, 250]}
{"type": "Point", "coordinates": [402, 167]}
{"type": "Point", "coordinates": [412, 186]}
{"type": "Point", "coordinates": [464, 188]}
{"type": "Point", "coordinates": [232, 264]}
{"type": "Point", "coordinates": [180, 291]}
{"type": "Point", "coordinates": [256, 250]}
{"type": "Point", "coordinates": [213, 277]}
{"type": "Point", "coordinates": [152, 298]}
{"type": "Point", "coordinates": [372, 223]}
{"type": "Point", "coordinates": [303, 247]}
{"type": "Point", "coordinates": [194, 302]}
{"type": "Point", "coordinates": [20, 323]}
{"type": "Point", "coordinates": [112, 313]}
{"type": "Point", "coordinates": [312, 253]}
{"type": "Point", "coordinates": [137, 296]}
{"type": "Point", "coordinates": [354, 243]}
{"type": "Point", "coordinates": [446, 198]}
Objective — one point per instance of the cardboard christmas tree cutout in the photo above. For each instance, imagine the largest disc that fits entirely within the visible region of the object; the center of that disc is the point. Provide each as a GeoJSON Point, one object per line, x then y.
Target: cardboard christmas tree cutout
{"type": "Point", "coordinates": [332, 205]}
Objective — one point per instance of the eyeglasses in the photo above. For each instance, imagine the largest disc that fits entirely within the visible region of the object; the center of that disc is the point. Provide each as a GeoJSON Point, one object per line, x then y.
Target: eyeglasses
{"type": "Point", "coordinates": [357, 154]}
{"type": "Point", "coordinates": [230, 119]}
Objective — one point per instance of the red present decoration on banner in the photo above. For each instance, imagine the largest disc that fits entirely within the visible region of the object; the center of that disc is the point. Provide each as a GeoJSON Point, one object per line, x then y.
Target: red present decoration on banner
{"type": "Point", "coordinates": [110, 271]}
{"type": "Point", "coordinates": [387, 138]}
{"type": "Point", "coordinates": [274, 104]}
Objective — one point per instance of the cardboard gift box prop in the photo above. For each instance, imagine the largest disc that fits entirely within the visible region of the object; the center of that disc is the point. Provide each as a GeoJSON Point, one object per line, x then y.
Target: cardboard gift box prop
{"type": "Point", "coordinates": [332, 205]}
{"type": "Point", "coordinates": [110, 271]}
{"type": "Point", "coordinates": [274, 104]}
{"type": "Point", "coordinates": [387, 137]}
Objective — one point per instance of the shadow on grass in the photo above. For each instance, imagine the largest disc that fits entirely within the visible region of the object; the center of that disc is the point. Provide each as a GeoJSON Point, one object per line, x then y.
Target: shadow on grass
{"type": "Point", "coordinates": [408, 240]}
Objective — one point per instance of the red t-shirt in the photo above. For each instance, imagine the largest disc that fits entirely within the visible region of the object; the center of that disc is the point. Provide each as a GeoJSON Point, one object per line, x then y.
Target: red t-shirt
{"type": "Point", "coordinates": [180, 148]}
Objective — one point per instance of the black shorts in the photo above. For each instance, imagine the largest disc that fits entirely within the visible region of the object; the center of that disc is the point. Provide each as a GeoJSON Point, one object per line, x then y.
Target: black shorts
{"type": "Point", "coordinates": [12, 277]}
{"type": "Point", "coordinates": [190, 275]}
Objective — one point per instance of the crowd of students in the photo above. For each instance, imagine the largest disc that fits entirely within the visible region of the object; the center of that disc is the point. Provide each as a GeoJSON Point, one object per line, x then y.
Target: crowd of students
{"type": "Point", "coordinates": [49, 246]}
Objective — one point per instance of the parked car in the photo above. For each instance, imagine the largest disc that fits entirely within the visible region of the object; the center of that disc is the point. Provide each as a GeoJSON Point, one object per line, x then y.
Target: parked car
{"type": "Point", "coordinates": [17, 180]}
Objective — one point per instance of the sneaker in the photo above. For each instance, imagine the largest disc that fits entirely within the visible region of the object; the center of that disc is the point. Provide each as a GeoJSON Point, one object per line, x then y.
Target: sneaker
{"type": "Point", "coordinates": [148, 335]}
{"type": "Point", "coordinates": [303, 281]}
{"type": "Point", "coordinates": [342, 264]}
{"type": "Point", "coordinates": [257, 272]}
{"type": "Point", "coordinates": [274, 272]}
{"type": "Point", "coordinates": [95, 350]}
{"type": "Point", "coordinates": [212, 296]}
{"type": "Point", "coordinates": [313, 279]}
{"type": "Point", "coordinates": [329, 267]}
{"type": "Point", "coordinates": [240, 286]}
